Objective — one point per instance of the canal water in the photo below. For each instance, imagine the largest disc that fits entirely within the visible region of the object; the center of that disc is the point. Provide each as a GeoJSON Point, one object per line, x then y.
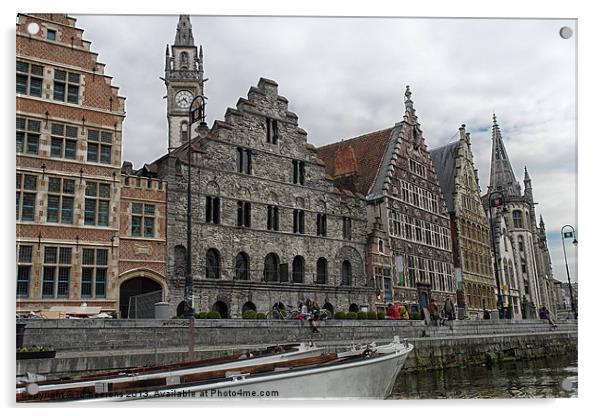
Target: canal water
{"type": "Point", "coordinates": [538, 378]}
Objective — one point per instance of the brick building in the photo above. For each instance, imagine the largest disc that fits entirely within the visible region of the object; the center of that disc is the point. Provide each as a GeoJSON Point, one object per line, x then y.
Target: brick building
{"type": "Point", "coordinates": [470, 236]}
{"type": "Point", "coordinates": [68, 185]}
{"type": "Point", "coordinates": [409, 253]}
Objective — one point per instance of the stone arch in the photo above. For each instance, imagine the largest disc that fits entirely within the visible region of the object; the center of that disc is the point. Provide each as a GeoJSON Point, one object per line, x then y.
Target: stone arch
{"type": "Point", "coordinates": [354, 258]}
{"type": "Point", "coordinates": [180, 308]}
{"type": "Point", "coordinates": [140, 282]}
{"type": "Point", "coordinates": [354, 308]}
{"type": "Point", "coordinates": [222, 308]}
{"type": "Point", "coordinates": [212, 188]}
{"type": "Point", "coordinates": [328, 306]}
{"type": "Point", "coordinates": [249, 306]}
{"type": "Point", "coordinates": [270, 267]}
{"type": "Point", "coordinates": [212, 264]}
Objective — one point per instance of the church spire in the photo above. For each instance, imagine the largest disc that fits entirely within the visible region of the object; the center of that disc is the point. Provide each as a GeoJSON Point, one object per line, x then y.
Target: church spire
{"type": "Point", "coordinates": [501, 177]}
{"type": "Point", "coordinates": [184, 32]}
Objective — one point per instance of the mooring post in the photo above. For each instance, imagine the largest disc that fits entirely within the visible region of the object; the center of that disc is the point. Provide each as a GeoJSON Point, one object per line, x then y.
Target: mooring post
{"type": "Point", "coordinates": [191, 339]}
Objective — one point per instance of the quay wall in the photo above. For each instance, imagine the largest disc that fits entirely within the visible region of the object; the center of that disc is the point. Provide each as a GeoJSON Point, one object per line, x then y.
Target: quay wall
{"type": "Point", "coordinates": [87, 345]}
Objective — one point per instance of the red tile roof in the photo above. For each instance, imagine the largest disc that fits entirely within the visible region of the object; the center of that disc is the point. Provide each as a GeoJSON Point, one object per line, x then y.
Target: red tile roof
{"type": "Point", "coordinates": [361, 155]}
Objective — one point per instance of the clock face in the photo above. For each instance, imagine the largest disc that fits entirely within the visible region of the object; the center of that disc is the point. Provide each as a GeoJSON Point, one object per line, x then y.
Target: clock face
{"type": "Point", "coordinates": [183, 99]}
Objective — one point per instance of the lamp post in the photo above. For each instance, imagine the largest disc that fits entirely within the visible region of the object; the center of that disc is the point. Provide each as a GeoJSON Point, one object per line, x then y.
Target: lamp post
{"type": "Point", "coordinates": [196, 112]}
{"type": "Point", "coordinates": [497, 201]}
{"type": "Point", "coordinates": [569, 234]}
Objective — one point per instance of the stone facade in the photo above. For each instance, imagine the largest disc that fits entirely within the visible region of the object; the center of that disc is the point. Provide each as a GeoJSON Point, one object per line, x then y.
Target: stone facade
{"type": "Point", "coordinates": [69, 187]}
{"type": "Point", "coordinates": [528, 263]}
{"type": "Point", "coordinates": [470, 236]}
{"type": "Point", "coordinates": [410, 251]}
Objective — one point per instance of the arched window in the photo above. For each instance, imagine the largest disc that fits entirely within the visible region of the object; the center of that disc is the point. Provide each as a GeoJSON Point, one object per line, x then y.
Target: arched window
{"type": "Point", "coordinates": [241, 266]}
{"type": "Point", "coordinates": [346, 273]}
{"type": "Point", "coordinates": [298, 269]}
{"type": "Point", "coordinates": [517, 217]}
{"type": "Point", "coordinates": [249, 306]}
{"type": "Point", "coordinates": [184, 130]}
{"type": "Point", "coordinates": [322, 271]}
{"type": "Point", "coordinates": [354, 308]}
{"type": "Point", "coordinates": [184, 60]}
{"type": "Point", "coordinates": [212, 264]}
{"type": "Point", "coordinates": [270, 268]}
{"type": "Point", "coordinates": [222, 308]}
{"type": "Point", "coordinates": [180, 261]}
{"type": "Point", "coordinates": [328, 306]}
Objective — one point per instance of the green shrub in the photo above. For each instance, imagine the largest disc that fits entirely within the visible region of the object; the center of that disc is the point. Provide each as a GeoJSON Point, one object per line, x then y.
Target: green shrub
{"type": "Point", "coordinates": [415, 316]}
{"type": "Point", "coordinates": [260, 315]}
{"type": "Point", "coordinates": [380, 315]}
{"type": "Point", "coordinates": [372, 315]}
{"type": "Point", "coordinates": [328, 314]}
{"type": "Point", "coordinates": [362, 316]}
{"type": "Point", "coordinates": [351, 315]}
{"type": "Point", "coordinates": [201, 315]}
{"type": "Point", "coordinates": [214, 315]}
{"type": "Point", "coordinates": [249, 314]}
{"type": "Point", "coordinates": [339, 315]}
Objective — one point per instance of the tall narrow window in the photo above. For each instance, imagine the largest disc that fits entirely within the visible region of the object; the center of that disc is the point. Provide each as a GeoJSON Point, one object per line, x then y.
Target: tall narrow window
{"type": "Point", "coordinates": [271, 130]}
{"type": "Point", "coordinates": [63, 143]}
{"type": "Point", "coordinates": [241, 266]}
{"type": "Point", "coordinates": [521, 243]}
{"type": "Point", "coordinates": [29, 79]}
{"type": "Point", "coordinates": [94, 273]}
{"type": "Point", "coordinates": [66, 86]}
{"type": "Point", "coordinates": [517, 217]}
{"type": "Point", "coordinates": [346, 273]}
{"type": "Point", "coordinates": [99, 146]}
{"type": "Point", "coordinates": [298, 221]}
{"type": "Point", "coordinates": [26, 197]}
{"type": "Point", "coordinates": [212, 209]}
{"type": "Point", "coordinates": [298, 269]}
{"type": "Point", "coordinates": [321, 271]}
{"type": "Point", "coordinates": [28, 136]}
{"type": "Point", "coordinates": [270, 268]}
{"type": "Point", "coordinates": [61, 194]}
{"type": "Point", "coordinates": [299, 172]}
{"type": "Point", "coordinates": [321, 225]}
{"type": "Point", "coordinates": [273, 220]}
{"type": "Point", "coordinates": [347, 228]}
{"type": "Point", "coordinates": [57, 272]}
{"type": "Point", "coordinates": [243, 160]}
{"type": "Point", "coordinates": [212, 270]}
{"type": "Point", "coordinates": [24, 271]}
{"type": "Point", "coordinates": [243, 214]}
{"type": "Point", "coordinates": [96, 209]}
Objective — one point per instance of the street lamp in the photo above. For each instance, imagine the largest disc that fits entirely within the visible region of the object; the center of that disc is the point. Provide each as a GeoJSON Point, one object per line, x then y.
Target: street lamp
{"type": "Point", "coordinates": [569, 234]}
{"type": "Point", "coordinates": [498, 200]}
{"type": "Point", "coordinates": [196, 112]}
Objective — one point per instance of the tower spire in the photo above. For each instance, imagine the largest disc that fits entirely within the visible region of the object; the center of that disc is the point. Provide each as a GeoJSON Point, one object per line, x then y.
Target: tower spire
{"type": "Point", "coordinates": [501, 177]}
{"type": "Point", "coordinates": [184, 32]}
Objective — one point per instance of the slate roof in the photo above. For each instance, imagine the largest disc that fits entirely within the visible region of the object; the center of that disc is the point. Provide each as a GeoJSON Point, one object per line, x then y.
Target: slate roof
{"type": "Point", "coordinates": [369, 150]}
{"type": "Point", "coordinates": [444, 162]}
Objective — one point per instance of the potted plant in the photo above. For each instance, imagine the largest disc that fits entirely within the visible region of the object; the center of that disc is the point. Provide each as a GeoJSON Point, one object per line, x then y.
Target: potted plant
{"type": "Point", "coordinates": [35, 351]}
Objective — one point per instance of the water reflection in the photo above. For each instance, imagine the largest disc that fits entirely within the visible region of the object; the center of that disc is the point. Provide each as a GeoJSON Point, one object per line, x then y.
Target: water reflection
{"type": "Point", "coordinates": [540, 378]}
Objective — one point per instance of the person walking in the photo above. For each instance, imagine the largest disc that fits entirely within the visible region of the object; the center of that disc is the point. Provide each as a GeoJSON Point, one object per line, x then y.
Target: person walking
{"type": "Point", "coordinates": [434, 312]}
{"type": "Point", "coordinates": [544, 313]}
{"type": "Point", "coordinates": [314, 315]}
{"type": "Point", "coordinates": [449, 309]}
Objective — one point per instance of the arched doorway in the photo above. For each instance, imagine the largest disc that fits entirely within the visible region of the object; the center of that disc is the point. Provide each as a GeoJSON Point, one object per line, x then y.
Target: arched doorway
{"type": "Point", "coordinates": [328, 306]}
{"type": "Point", "coordinates": [249, 306]}
{"type": "Point", "coordinates": [354, 308]}
{"type": "Point", "coordinates": [222, 308]}
{"type": "Point", "coordinates": [137, 297]}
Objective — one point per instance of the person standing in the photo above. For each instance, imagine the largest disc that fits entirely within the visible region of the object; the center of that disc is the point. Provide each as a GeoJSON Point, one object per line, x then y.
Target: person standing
{"type": "Point", "coordinates": [449, 309]}
{"type": "Point", "coordinates": [433, 311]}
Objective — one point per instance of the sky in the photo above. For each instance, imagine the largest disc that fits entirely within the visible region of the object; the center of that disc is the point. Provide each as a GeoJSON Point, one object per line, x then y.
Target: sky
{"type": "Point", "coordinates": [345, 77]}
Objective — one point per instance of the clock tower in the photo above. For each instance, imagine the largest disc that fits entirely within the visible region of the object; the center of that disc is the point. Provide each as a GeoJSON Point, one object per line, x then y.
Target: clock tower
{"type": "Point", "coordinates": [183, 80]}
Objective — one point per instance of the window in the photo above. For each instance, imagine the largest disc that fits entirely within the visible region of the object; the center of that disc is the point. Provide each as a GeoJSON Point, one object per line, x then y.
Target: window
{"type": "Point", "coordinates": [26, 200]}
{"type": "Point", "coordinates": [321, 225]}
{"type": "Point", "coordinates": [270, 268]}
{"type": "Point", "coordinates": [395, 224]}
{"type": "Point", "coordinates": [29, 79]}
{"type": "Point", "coordinates": [241, 266]}
{"type": "Point", "coordinates": [66, 86]}
{"type": "Point", "coordinates": [96, 209]}
{"type": "Point", "coordinates": [299, 172]}
{"type": "Point", "coordinates": [346, 273]}
{"type": "Point", "coordinates": [298, 221]}
{"type": "Point", "coordinates": [63, 143]}
{"type": "Point", "coordinates": [244, 214]}
{"type": "Point", "coordinates": [28, 135]}
{"type": "Point", "coordinates": [60, 200]}
{"type": "Point", "coordinates": [243, 160]}
{"type": "Point", "coordinates": [411, 282]}
{"type": "Point", "coordinates": [50, 34]}
{"type": "Point", "coordinates": [212, 209]}
{"type": "Point", "coordinates": [322, 271]}
{"type": "Point", "coordinates": [271, 130]}
{"type": "Point", "coordinates": [381, 246]}
{"type": "Point", "coordinates": [212, 264]}
{"type": "Point", "coordinates": [273, 220]}
{"type": "Point", "coordinates": [94, 273]}
{"type": "Point", "coordinates": [517, 217]}
{"type": "Point", "coordinates": [417, 168]}
{"type": "Point", "coordinates": [184, 62]}
{"type": "Point", "coordinates": [143, 220]}
{"type": "Point", "coordinates": [184, 131]}
{"type": "Point", "coordinates": [346, 228]}
{"type": "Point", "coordinates": [99, 146]}
{"type": "Point", "coordinates": [24, 271]}
{"type": "Point", "coordinates": [57, 272]}
{"type": "Point", "coordinates": [298, 269]}
{"type": "Point", "coordinates": [521, 243]}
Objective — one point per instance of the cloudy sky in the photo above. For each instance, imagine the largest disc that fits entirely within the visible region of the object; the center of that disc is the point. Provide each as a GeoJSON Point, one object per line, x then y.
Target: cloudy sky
{"type": "Point", "coordinates": [346, 76]}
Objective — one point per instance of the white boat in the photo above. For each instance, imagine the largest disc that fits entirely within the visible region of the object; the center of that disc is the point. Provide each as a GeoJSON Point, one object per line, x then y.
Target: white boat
{"type": "Point", "coordinates": [368, 372]}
